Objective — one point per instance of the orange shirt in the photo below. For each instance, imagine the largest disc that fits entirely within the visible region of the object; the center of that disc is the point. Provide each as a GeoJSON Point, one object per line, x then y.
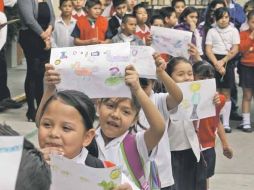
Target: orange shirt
{"type": "Point", "coordinates": [87, 32]}
{"type": "Point", "coordinates": [1, 6]}
{"type": "Point", "coordinates": [208, 127]}
{"type": "Point", "coordinates": [247, 48]}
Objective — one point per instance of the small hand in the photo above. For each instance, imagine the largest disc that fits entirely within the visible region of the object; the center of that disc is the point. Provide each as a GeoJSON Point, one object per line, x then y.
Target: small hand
{"type": "Point", "coordinates": [47, 44]}
{"type": "Point", "coordinates": [216, 99]}
{"type": "Point", "coordinates": [51, 76]}
{"type": "Point", "coordinates": [160, 63]}
{"type": "Point", "coordinates": [193, 26]}
{"type": "Point", "coordinates": [228, 152]}
{"type": "Point", "coordinates": [132, 78]}
{"type": "Point", "coordinates": [50, 150]}
{"type": "Point", "coordinates": [94, 41]}
{"type": "Point", "coordinates": [222, 71]}
{"type": "Point", "coordinates": [124, 186]}
{"type": "Point", "coordinates": [149, 40]}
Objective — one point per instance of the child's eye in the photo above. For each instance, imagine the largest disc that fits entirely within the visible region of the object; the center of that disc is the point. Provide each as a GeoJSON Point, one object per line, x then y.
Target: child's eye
{"type": "Point", "coordinates": [67, 128]}
{"type": "Point", "coordinates": [46, 124]}
{"type": "Point", "coordinates": [110, 106]}
{"type": "Point", "coordinates": [126, 112]}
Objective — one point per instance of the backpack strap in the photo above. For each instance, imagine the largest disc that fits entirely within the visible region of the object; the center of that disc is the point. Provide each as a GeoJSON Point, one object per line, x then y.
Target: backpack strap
{"type": "Point", "coordinates": [134, 162]}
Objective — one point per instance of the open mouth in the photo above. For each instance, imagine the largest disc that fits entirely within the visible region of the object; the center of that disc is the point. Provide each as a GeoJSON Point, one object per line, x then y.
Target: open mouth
{"type": "Point", "coordinates": [113, 124]}
{"type": "Point", "coordinates": [53, 145]}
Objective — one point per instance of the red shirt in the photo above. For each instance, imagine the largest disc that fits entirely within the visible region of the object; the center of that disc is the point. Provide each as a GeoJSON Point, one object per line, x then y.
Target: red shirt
{"type": "Point", "coordinates": [88, 32]}
{"type": "Point", "coordinates": [208, 127]}
{"type": "Point", "coordinates": [143, 34]}
{"type": "Point", "coordinates": [247, 48]}
{"type": "Point", "coordinates": [1, 6]}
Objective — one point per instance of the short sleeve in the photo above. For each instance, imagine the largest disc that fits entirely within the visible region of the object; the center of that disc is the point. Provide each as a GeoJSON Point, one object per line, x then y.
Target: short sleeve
{"type": "Point", "coordinates": [142, 148]}
{"type": "Point", "coordinates": [161, 102]}
{"type": "Point", "coordinates": [209, 40]}
{"type": "Point", "coordinates": [76, 32]}
{"type": "Point", "coordinates": [236, 36]}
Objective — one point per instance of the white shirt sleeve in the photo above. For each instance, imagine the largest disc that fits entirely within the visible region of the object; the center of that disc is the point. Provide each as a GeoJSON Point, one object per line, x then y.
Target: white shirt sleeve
{"type": "Point", "coordinates": [236, 36]}
{"type": "Point", "coordinates": [161, 102]}
{"type": "Point", "coordinates": [209, 39]}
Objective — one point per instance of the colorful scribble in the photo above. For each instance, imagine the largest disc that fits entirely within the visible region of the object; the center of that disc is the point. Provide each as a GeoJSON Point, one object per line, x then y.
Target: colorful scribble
{"type": "Point", "coordinates": [195, 99]}
{"type": "Point", "coordinates": [57, 62]}
{"type": "Point", "coordinates": [107, 185]}
{"type": "Point", "coordinates": [115, 174]}
{"type": "Point", "coordinates": [115, 77]}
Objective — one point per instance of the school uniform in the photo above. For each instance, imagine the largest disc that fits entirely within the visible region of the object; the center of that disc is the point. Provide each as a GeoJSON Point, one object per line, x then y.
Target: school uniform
{"type": "Point", "coordinates": [133, 39]}
{"type": "Point", "coordinates": [143, 34]}
{"type": "Point", "coordinates": [163, 157]}
{"type": "Point", "coordinates": [112, 152]}
{"type": "Point", "coordinates": [61, 36]}
{"type": "Point", "coordinates": [113, 26]}
{"type": "Point", "coordinates": [222, 41]}
{"type": "Point", "coordinates": [77, 15]}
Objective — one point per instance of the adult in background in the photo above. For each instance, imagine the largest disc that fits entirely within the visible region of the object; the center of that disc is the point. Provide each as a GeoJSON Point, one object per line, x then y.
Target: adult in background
{"type": "Point", "coordinates": [37, 19]}
{"type": "Point", "coordinates": [5, 100]}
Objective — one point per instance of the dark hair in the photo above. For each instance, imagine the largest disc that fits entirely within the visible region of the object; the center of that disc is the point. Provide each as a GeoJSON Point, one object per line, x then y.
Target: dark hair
{"type": "Point", "coordinates": [186, 12]}
{"type": "Point", "coordinates": [248, 4]}
{"type": "Point", "coordinates": [61, 2]}
{"type": "Point", "coordinates": [174, 62]}
{"type": "Point", "coordinates": [155, 17]}
{"type": "Point", "coordinates": [83, 104]}
{"type": "Point", "coordinates": [220, 12]}
{"type": "Point", "coordinates": [126, 18]}
{"type": "Point", "coordinates": [166, 12]}
{"type": "Point", "coordinates": [116, 3]}
{"type": "Point", "coordinates": [34, 172]}
{"type": "Point", "coordinates": [250, 14]}
{"type": "Point", "coordinates": [92, 3]}
{"type": "Point", "coordinates": [173, 3]}
{"type": "Point", "coordinates": [138, 6]}
{"type": "Point", "coordinates": [203, 69]}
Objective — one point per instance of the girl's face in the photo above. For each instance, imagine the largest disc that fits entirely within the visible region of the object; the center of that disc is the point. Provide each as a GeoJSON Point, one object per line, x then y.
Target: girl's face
{"type": "Point", "coordinates": [251, 23]}
{"type": "Point", "coordinates": [78, 4]}
{"type": "Point", "coordinates": [141, 16]}
{"type": "Point", "coordinates": [192, 18]}
{"type": "Point", "coordinates": [67, 8]}
{"type": "Point", "coordinates": [224, 21]}
{"type": "Point", "coordinates": [182, 72]}
{"type": "Point", "coordinates": [94, 12]}
{"type": "Point", "coordinates": [158, 22]}
{"type": "Point", "coordinates": [116, 116]}
{"type": "Point", "coordinates": [179, 7]}
{"type": "Point", "coordinates": [62, 126]}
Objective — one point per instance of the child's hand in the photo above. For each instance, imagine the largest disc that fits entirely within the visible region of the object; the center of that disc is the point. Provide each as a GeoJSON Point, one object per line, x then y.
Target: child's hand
{"type": "Point", "coordinates": [132, 78]}
{"type": "Point", "coordinates": [216, 99]}
{"type": "Point", "coordinates": [124, 186]}
{"type": "Point", "coordinates": [149, 40]}
{"type": "Point", "coordinates": [160, 63]}
{"type": "Point", "coordinates": [222, 71]}
{"type": "Point", "coordinates": [50, 150]}
{"type": "Point", "coordinates": [51, 76]}
{"type": "Point", "coordinates": [193, 26]}
{"type": "Point", "coordinates": [47, 44]}
{"type": "Point", "coordinates": [193, 51]}
{"type": "Point", "coordinates": [94, 41]}
{"type": "Point", "coordinates": [228, 152]}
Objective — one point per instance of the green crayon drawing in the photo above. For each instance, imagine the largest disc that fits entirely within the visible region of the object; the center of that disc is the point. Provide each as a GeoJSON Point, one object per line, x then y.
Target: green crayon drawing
{"type": "Point", "coordinates": [115, 77]}
{"type": "Point", "coordinates": [107, 185]}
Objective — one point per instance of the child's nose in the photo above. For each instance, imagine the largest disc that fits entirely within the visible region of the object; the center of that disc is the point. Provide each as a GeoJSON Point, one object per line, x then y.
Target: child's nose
{"type": "Point", "coordinates": [54, 132]}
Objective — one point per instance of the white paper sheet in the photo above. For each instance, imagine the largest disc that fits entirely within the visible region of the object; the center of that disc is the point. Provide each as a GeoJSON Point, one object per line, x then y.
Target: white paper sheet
{"type": "Point", "coordinates": [171, 41]}
{"type": "Point", "coordinates": [197, 100]}
{"type": "Point", "coordinates": [10, 157]}
{"type": "Point", "coordinates": [3, 31]}
{"type": "Point", "coordinates": [68, 175]}
{"type": "Point", "coordinates": [96, 70]}
{"type": "Point", "coordinates": [142, 59]}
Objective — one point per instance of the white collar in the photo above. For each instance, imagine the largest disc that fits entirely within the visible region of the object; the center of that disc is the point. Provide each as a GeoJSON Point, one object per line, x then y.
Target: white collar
{"type": "Point", "coordinates": [81, 158]}
{"type": "Point", "coordinates": [138, 29]}
{"type": "Point", "coordinates": [60, 20]}
{"type": "Point", "coordinates": [81, 13]}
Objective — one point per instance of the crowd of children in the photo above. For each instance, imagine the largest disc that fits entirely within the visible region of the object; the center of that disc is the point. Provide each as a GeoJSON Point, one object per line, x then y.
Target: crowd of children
{"type": "Point", "coordinates": [183, 151]}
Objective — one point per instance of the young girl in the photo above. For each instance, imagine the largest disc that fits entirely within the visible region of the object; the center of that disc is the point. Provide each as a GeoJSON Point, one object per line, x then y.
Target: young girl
{"type": "Point", "coordinates": [179, 6]}
{"type": "Point", "coordinates": [188, 21]}
{"type": "Point", "coordinates": [92, 28]}
{"type": "Point", "coordinates": [247, 71]}
{"type": "Point", "coordinates": [78, 11]}
{"type": "Point", "coordinates": [187, 164]}
{"type": "Point", "coordinates": [248, 6]}
{"type": "Point", "coordinates": [209, 127]}
{"type": "Point", "coordinates": [221, 47]}
{"type": "Point", "coordinates": [142, 30]}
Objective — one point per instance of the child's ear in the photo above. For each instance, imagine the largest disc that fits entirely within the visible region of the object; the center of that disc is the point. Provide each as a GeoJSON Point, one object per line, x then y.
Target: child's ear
{"type": "Point", "coordinates": [122, 26]}
{"type": "Point", "coordinates": [89, 135]}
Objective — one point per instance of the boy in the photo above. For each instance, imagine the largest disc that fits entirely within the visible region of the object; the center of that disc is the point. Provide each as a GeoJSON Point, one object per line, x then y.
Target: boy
{"type": "Point", "coordinates": [120, 7]}
{"type": "Point", "coordinates": [156, 20]}
{"type": "Point", "coordinates": [128, 29]}
{"type": "Point", "coordinates": [179, 6]}
{"type": "Point", "coordinates": [78, 9]}
{"type": "Point", "coordinates": [168, 15]}
{"type": "Point", "coordinates": [64, 25]}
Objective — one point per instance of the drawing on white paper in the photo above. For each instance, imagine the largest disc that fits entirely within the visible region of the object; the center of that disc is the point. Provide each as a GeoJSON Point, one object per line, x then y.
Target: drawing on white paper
{"type": "Point", "coordinates": [195, 88]}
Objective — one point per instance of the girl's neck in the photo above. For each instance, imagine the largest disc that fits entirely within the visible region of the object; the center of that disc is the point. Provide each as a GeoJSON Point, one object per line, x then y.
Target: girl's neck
{"type": "Point", "coordinates": [106, 139]}
{"type": "Point", "coordinates": [66, 19]}
{"type": "Point", "coordinates": [142, 26]}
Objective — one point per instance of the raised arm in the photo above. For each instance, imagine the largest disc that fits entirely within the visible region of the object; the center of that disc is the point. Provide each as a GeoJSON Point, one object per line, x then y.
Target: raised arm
{"type": "Point", "coordinates": [157, 124]}
{"type": "Point", "coordinates": [175, 95]}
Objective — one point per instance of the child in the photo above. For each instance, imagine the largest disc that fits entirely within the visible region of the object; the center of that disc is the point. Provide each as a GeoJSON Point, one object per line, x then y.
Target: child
{"type": "Point", "coordinates": [179, 6]}
{"type": "Point", "coordinates": [188, 21]}
{"type": "Point", "coordinates": [221, 47]}
{"type": "Point", "coordinates": [208, 127]}
{"type": "Point", "coordinates": [156, 20]}
{"type": "Point", "coordinates": [131, 5]}
{"type": "Point", "coordinates": [114, 23]}
{"type": "Point", "coordinates": [169, 16]}
{"type": "Point", "coordinates": [249, 6]}
{"type": "Point", "coordinates": [246, 71]}
{"type": "Point", "coordinates": [127, 32]}
{"type": "Point", "coordinates": [187, 164]}
{"type": "Point", "coordinates": [92, 28]}
{"type": "Point", "coordinates": [78, 11]}
{"type": "Point", "coordinates": [61, 36]}
{"type": "Point", "coordinates": [164, 103]}
{"type": "Point", "coordinates": [142, 30]}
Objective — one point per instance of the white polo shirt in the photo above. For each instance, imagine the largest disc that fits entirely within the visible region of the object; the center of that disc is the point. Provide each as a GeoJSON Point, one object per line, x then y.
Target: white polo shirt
{"type": "Point", "coordinates": [163, 156]}
{"type": "Point", "coordinates": [112, 152]}
{"type": "Point", "coordinates": [222, 40]}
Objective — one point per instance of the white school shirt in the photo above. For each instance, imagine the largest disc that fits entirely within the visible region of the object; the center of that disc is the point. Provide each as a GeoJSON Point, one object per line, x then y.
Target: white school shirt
{"type": "Point", "coordinates": [61, 36]}
{"type": "Point", "coordinates": [163, 156]}
{"type": "Point", "coordinates": [182, 136]}
{"type": "Point", "coordinates": [222, 40]}
{"type": "Point", "coordinates": [112, 152]}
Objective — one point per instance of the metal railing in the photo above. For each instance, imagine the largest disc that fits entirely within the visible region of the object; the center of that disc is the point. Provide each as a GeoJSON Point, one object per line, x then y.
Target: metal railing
{"type": "Point", "coordinates": [161, 3]}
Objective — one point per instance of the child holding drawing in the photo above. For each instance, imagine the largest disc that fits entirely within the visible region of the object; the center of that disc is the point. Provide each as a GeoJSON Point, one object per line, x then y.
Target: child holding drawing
{"type": "Point", "coordinates": [221, 47]}
{"type": "Point", "coordinates": [93, 27]}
